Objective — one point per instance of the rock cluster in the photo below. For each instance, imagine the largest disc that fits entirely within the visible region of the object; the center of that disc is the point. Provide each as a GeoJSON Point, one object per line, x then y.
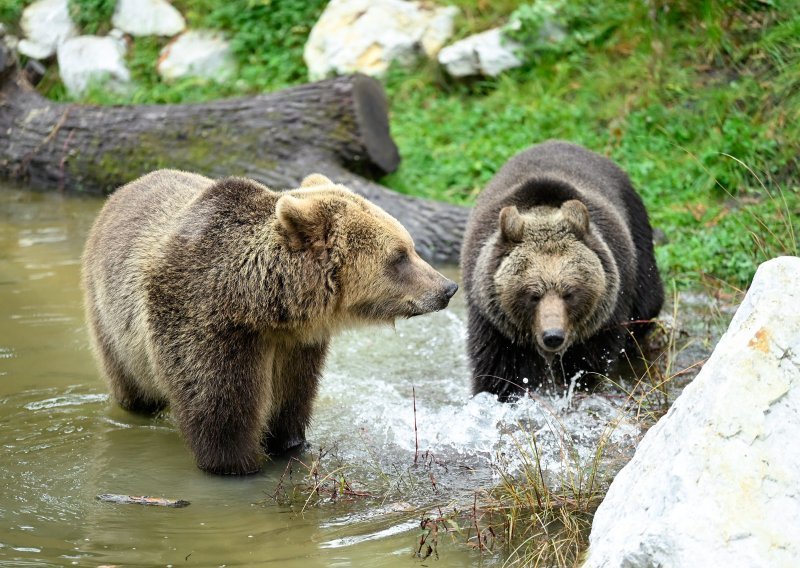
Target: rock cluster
{"type": "Point", "coordinates": [366, 36]}
{"type": "Point", "coordinates": [716, 482]}
{"type": "Point", "coordinates": [369, 36]}
{"type": "Point", "coordinates": [82, 60]}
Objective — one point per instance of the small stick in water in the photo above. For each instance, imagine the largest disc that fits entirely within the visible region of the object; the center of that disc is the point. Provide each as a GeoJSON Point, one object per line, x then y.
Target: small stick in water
{"type": "Point", "coordinates": [141, 500]}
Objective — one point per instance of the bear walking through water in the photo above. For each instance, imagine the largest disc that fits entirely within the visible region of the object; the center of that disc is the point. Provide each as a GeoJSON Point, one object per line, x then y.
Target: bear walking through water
{"type": "Point", "coordinates": [218, 299]}
{"type": "Point", "coordinates": [558, 270]}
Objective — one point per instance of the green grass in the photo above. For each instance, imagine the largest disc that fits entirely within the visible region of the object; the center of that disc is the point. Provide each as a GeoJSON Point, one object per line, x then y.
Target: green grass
{"type": "Point", "coordinates": [10, 12]}
{"type": "Point", "coordinates": [92, 16]}
{"type": "Point", "coordinates": [697, 100]}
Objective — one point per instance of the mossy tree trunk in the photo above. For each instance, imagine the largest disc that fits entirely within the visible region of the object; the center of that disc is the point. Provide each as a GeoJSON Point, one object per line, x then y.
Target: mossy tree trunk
{"type": "Point", "coordinates": [337, 127]}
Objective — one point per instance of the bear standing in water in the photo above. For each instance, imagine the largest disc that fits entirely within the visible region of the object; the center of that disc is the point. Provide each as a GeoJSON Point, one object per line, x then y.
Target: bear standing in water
{"type": "Point", "coordinates": [218, 299]}
{"type": "Point", "coordinates": [558, 270]}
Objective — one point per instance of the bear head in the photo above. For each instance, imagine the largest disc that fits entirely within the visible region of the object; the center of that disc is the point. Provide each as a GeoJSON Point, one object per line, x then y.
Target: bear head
{"type": "Point", "coordinates": [551, 286]}
{"type": "Point", "coordinates": [375, 272]}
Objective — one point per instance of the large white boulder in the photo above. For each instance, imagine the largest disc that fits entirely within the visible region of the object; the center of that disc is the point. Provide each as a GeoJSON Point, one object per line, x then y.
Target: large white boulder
{"type": "Point", "coordinates": [488, 53]}
{"type": "Point", "coordinates": [148, 17]}
{"type": "Point", "coordinates": [45, 24]}
{"type": "Point", "coordinates": [716, 482]}
{"type": "Point", "coordinates": [368, 35]}
{"type": "Point", "coordinates": [85, 59]}
{"type": "Point", "coordinates": [197, 54]}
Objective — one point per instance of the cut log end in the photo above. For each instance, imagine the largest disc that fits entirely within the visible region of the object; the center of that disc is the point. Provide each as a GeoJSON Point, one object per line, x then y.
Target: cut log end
{"type": "Point", "coordinates": [372, 116]}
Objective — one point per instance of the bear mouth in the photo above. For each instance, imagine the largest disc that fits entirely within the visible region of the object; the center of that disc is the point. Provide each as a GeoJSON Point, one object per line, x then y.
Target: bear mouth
{"type": "Point", "coordinates": [427, 305]}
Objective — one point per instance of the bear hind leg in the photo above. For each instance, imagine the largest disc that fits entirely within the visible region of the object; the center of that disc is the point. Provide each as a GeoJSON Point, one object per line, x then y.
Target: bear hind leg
{"type": "Point", "coordinates": [123, 388]}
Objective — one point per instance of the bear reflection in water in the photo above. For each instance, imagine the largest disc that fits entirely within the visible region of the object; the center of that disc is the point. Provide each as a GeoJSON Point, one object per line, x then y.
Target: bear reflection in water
{"type": "Point", "coordinates": [559, 271]}
{"type": "Point", "coordinates": [219, 299]}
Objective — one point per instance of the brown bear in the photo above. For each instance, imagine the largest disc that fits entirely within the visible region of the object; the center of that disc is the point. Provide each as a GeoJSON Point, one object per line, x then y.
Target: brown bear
{"type": "Point", "coordinates": [219, 298]}
{"type": "Point", "coordinates": [558, 270]}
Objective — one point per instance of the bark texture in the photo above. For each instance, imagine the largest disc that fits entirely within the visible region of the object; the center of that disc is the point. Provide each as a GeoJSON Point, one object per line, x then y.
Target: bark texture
{"type": "Point", "coordinates": [338, 127]}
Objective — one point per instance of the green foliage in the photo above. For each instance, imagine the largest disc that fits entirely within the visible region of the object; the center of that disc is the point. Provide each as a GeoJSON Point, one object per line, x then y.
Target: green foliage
{"type": "Point", "coordinates": [92, 16]}
{"type": "Point", "coordinates": [11, 11]}
{"type": "Point", "coordinates": [560, 26]}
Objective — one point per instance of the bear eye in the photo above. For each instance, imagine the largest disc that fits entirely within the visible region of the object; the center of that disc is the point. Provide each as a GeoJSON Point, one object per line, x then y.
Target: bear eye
{"type": "Point", "coordinates": [398, 256]}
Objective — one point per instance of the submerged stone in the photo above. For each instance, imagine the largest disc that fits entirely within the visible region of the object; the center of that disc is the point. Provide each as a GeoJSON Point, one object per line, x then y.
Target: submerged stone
{"type": "Point", "coordinates": [716, 482]}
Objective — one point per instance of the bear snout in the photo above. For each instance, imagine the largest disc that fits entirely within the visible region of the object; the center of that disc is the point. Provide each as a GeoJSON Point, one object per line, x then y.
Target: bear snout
{"type": "Point", "coordinates": [450, 289]}
{"type": "Point", "coordinates": [436, 299]}
{"type": "Point", "coordinates": [551, 324]}
{"type": "Point", "coordinates": [553, 338]}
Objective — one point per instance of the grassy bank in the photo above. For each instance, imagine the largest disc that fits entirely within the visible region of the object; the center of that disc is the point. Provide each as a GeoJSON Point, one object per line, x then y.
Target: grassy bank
{"type": "Point", "coordinates": [698, 101]}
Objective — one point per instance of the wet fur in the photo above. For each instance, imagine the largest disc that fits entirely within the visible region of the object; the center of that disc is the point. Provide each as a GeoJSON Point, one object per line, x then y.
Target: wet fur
{"type": "Point", "coordinates": [611, 265]}
{"type": "Point", "coordinates": [218, 299]}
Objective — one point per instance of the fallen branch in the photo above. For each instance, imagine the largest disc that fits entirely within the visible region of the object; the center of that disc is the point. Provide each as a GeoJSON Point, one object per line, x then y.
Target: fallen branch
{"type": "Point", "coordinates": [141, 500]}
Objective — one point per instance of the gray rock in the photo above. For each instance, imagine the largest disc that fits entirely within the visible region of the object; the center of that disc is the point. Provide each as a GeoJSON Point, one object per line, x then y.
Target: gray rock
{"type": "Point", "coordinates": [148, 17]}
{"type": "Point", "coordinates": [45, 24]}
{"type": "Point", "coordinates": [368, 35]}
{"type": "Point", "coordinates": [85, 59]}
{"type": "Point", "coordinates": [198, 54]}
{"type": "Point", "coordinates": [716, 482]}
{"type": "Point", "coordinates": [488, 53]}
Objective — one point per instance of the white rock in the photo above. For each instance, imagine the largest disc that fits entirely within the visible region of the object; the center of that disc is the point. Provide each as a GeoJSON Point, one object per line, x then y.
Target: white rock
{"type": "Point", "coordinates": [45, 24]}
{"type": "Point", "coordinates": [147, 17]}
{"type": "Point", "coordinates": [10, 41]}
{"type": "Point", "coordinates": [488, 53]}
{"type": "Point", "coordinates": [85, 59]}
{"type": "Point", "coordinates": [716, 482]}
{"type": "Point", "coordinates": [197, 54]}
{"type": "Point", "coordinates": [368, 35]}
{"type": "Point", "coordinates": [438, 30]}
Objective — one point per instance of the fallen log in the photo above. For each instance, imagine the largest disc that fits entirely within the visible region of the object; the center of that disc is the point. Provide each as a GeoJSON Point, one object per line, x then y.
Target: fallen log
{"type": "Point", "coordinates": [338, 127]}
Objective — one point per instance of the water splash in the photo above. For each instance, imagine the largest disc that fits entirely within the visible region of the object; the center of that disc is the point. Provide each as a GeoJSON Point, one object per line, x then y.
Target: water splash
{"type": "Point", "coordinates": [370, 416]}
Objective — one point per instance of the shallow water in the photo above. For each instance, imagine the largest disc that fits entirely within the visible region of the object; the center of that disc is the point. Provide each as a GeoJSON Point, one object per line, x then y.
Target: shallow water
{"type": "Point", "coordinates": [389, 397]}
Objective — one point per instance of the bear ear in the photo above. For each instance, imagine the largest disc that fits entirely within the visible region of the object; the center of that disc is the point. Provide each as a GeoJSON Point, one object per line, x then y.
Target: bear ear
{"type": "Point", "coordinates": [577, 216]}
{"type": "Point", "coordinates": [512, 225]}
{"type": "Point", "coordinates": [315, 179]}
{"type": "Point", "coordinates": [302, 222]}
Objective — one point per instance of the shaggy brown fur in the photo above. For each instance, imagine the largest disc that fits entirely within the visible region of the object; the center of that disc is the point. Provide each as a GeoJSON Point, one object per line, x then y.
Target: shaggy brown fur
{"type": "Point", "coordinates": [558, 267]}
{"type": "Point", "coordinates": [219, 300]}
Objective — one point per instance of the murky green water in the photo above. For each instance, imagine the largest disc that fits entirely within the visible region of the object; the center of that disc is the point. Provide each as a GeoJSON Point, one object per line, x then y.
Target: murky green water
{"type": "Point", "coordinates": [63, 442]}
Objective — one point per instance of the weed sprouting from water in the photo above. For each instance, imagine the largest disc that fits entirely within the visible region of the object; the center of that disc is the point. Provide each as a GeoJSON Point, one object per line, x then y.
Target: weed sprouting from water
{"type": "Point", "coordinates": [318, 482]}
{"type": "Point", "coordinates": [545, 518]}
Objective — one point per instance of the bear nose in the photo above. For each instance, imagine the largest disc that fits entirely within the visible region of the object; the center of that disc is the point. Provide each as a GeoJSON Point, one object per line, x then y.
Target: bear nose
{"type": "Point", "coordinates": [553, 338]}
{"type": "Point", "coordinates": [450, 289]}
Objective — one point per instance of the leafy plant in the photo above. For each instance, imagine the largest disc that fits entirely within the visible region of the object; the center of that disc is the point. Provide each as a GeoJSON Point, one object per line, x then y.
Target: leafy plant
{"type": "Point", "coordinates": [92, 16]}
{"type": "Point", "coordinates": [10, 12]}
